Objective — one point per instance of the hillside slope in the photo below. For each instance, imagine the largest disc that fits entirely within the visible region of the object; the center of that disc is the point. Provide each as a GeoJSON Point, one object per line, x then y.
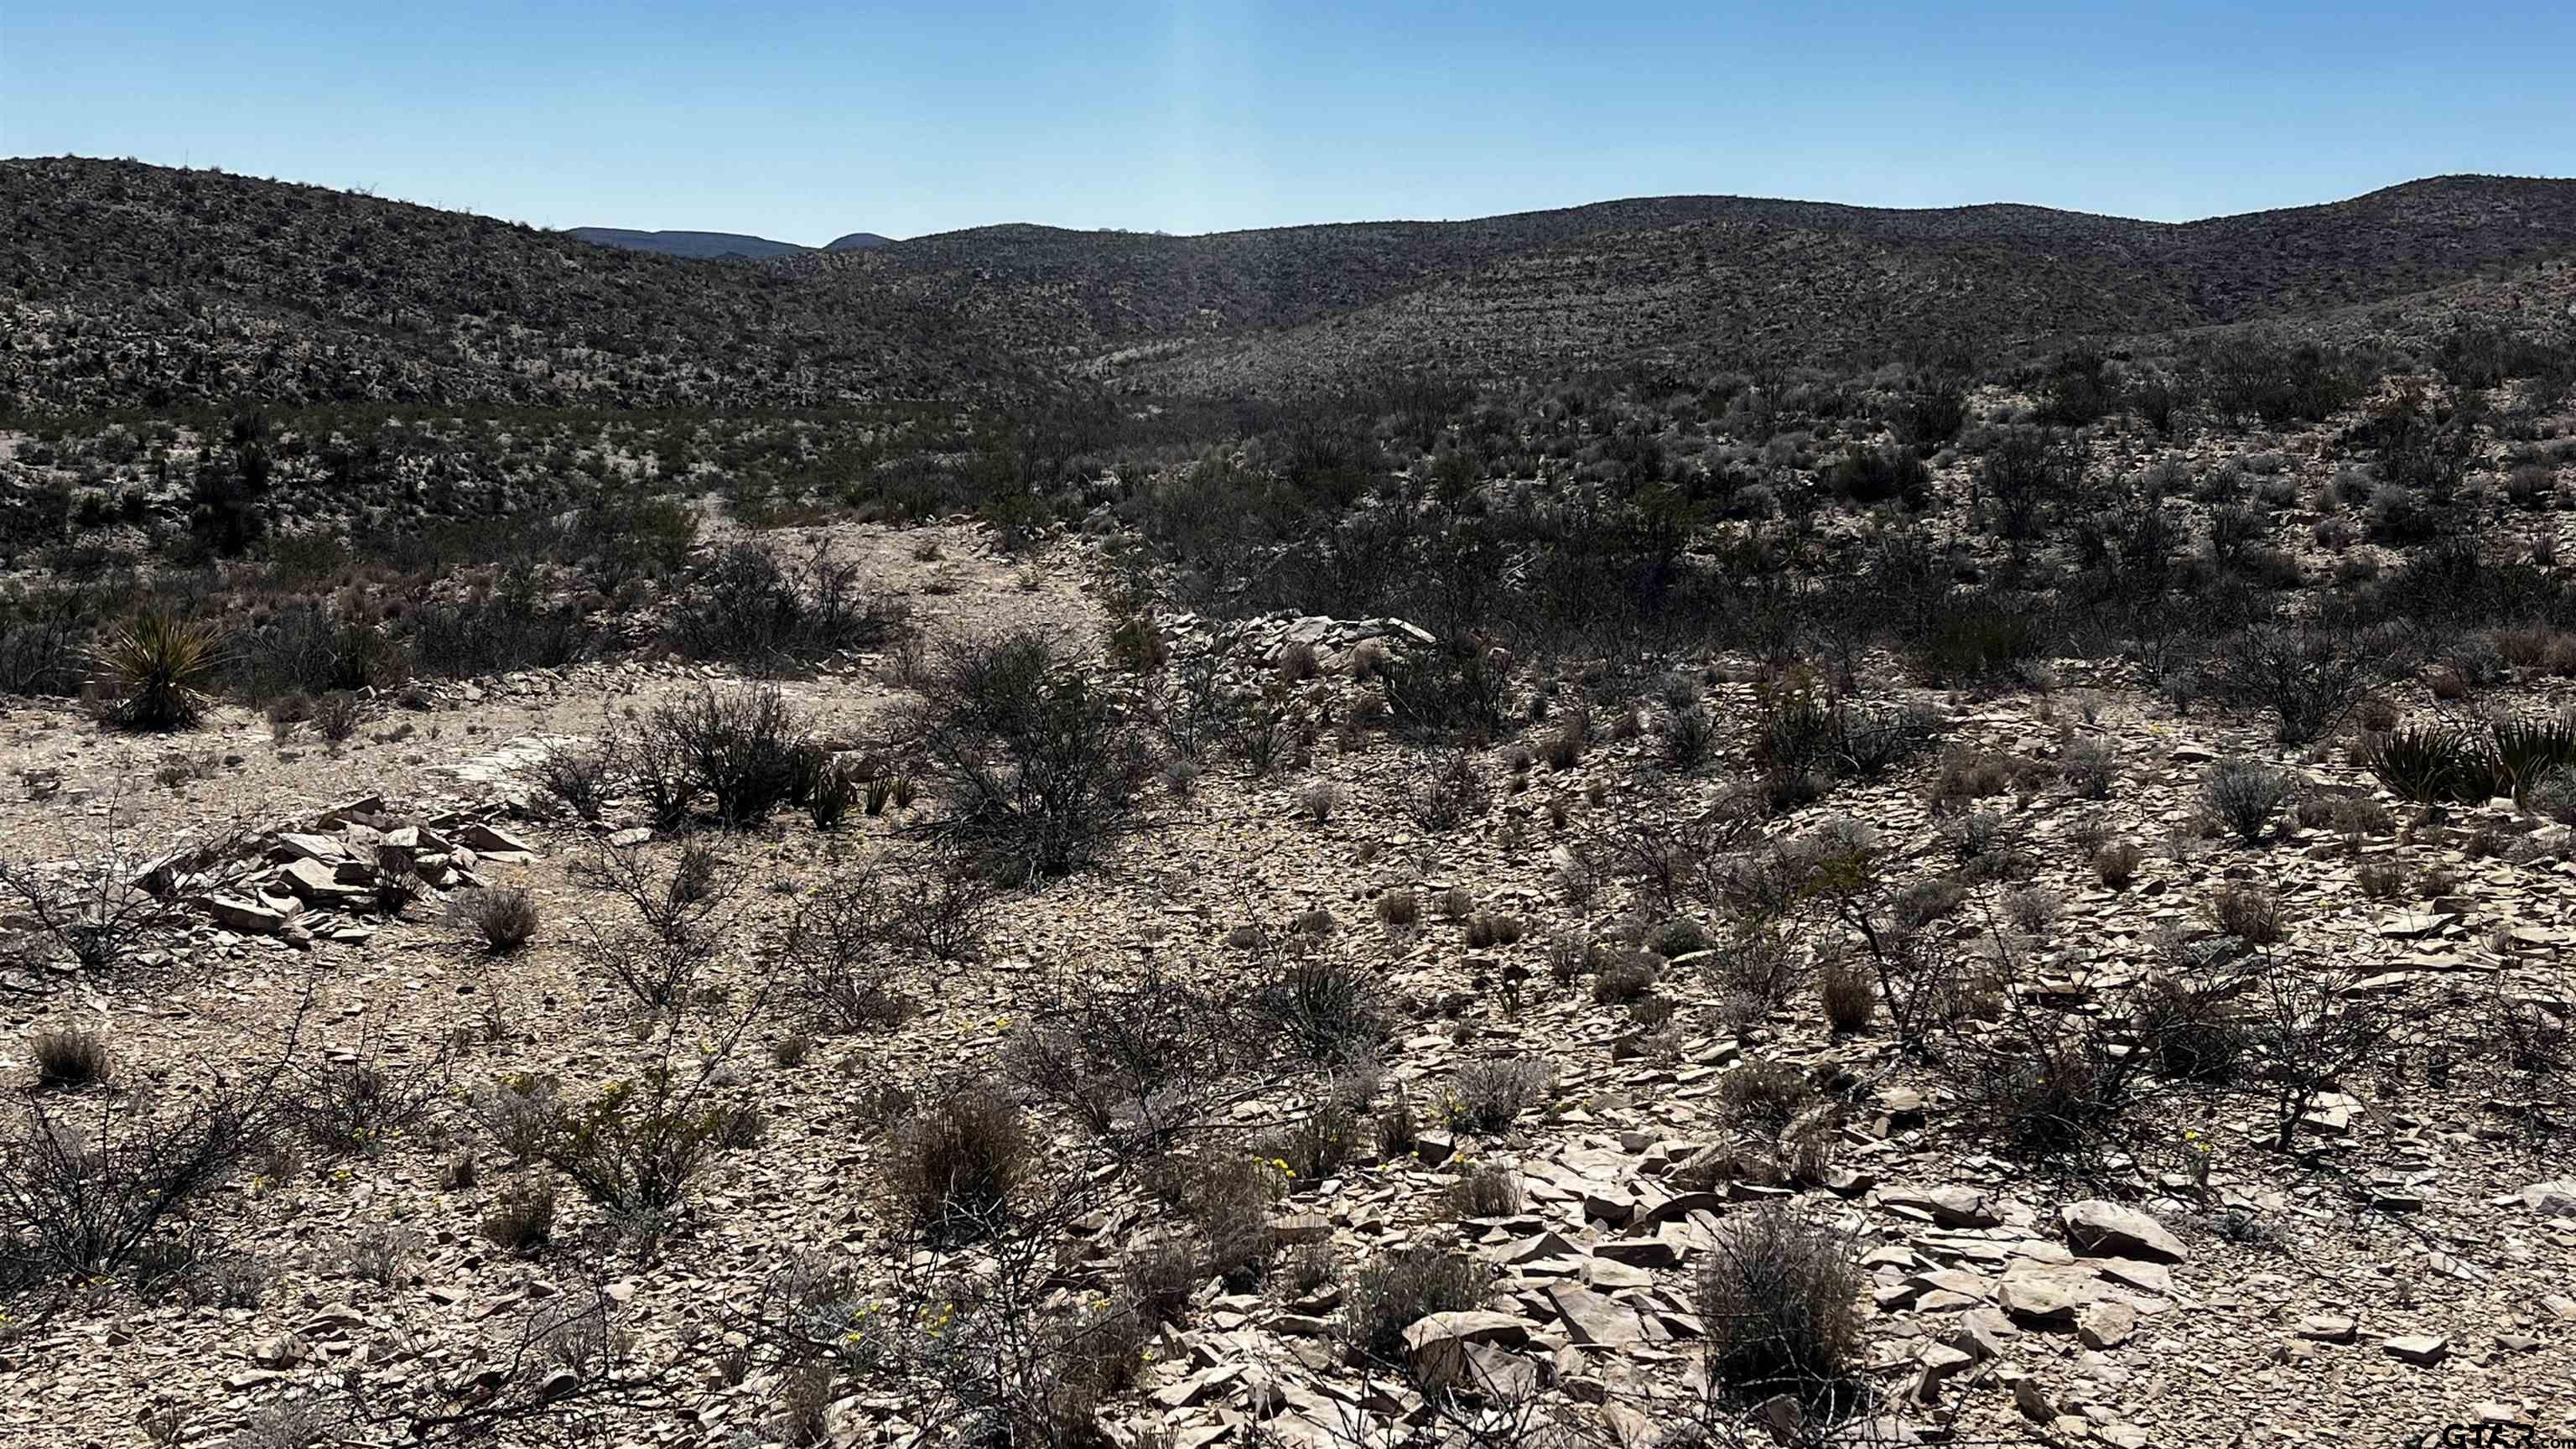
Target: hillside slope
{"type": "Point", "coordinates": [131, 286]}
{"type": "Point", "coordinates": [1711, 274]}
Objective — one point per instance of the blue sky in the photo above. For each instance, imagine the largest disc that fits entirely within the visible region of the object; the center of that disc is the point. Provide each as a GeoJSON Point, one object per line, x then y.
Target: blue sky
{"type": "Point", "coordinates": [802, 120]}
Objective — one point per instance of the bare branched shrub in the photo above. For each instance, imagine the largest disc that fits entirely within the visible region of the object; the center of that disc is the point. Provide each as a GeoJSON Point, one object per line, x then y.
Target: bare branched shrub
{"type": "Point", "coordinates": [748, 749]}
{"type": "Point", "coordinates": [581, 780]}
{"type": "Point", "coordinates": [1754, 963]}
{"type": "Point", "coordinates": [2308, 678]}
{"type": "Point", "coordinates": [101, 909]}
{"type": "Point", "coordinates": [359, 1101]}
{"type": "Point", "coordinates": [2306, 1029]}
{"type": "Point", "coordinates": [1038, 766]}
{"type": "Point", "coordinates": [1136, 1059]}
{"type": "Point", "coordinates": [848, 951]}
{"type": "Point", "coordinates": [634, 1147]}
{"type": "Point", "coordinates": [90, 1186]}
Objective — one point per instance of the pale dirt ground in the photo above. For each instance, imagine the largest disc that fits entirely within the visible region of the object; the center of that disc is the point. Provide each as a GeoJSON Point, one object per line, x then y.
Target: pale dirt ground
{"type": "Point", "coordinates": [2205, 1366]}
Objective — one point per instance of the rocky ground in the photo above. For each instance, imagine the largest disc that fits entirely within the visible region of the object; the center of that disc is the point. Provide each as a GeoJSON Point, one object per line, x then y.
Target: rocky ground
{"type": "Point", "coordinates": [2411, 1266]}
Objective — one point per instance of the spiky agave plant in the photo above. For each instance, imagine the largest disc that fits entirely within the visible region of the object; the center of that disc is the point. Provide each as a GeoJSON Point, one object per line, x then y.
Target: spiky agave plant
{"type": "Point", "coordinates": [2430, 765]}
{"type": "Point", "coordinates": [2526, 749]}
{"type": "Point", "coordinates": [154, 670]}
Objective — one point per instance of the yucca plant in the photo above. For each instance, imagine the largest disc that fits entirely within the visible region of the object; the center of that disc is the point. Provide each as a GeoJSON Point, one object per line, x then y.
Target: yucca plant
{"type": "Point", "coordinates": [2526, 749]}
{"type": "Point", "coordinates": [2428, 765]}
{"type": "Point", "coordinates": [153, 670]}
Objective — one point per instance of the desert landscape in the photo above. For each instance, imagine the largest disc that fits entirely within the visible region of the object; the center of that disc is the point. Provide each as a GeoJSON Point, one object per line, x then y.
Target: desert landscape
{"type": "Point", "coordinates": [1693, 821]}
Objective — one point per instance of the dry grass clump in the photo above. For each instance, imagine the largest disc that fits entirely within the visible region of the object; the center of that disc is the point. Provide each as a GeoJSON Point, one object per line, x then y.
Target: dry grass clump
{"type": "Point", "coordinates": [2249, 913]}
{"type": "Point", "coordinates": [2381, 879]}
{"type": "Point", "coordinates": [953, 1163]}
{"type": "Point", "coordinates": [1763, 1098]}
{"type": "Point", "coordinates": [522, 1222]}
{"type": "Point", "coordinates": [1398, 908]}
{"type": "Point", "coordinates": [1780, 1299]}
{"type": "Point", "coordinates": [504, 918]}
{"type": "Point", "coordinates": [1486, 1191]}
{"type": "Point", "coordinates": [1847, 990]}
{"type": "Point", "coordinates": [1489, 1096]}
{"type": "Point", "coordinates": [71, 1056]}
{"type": "Point", "coordinates": [1394, 1293]}
{"type": "Point", "coordinates": [2116, 864]}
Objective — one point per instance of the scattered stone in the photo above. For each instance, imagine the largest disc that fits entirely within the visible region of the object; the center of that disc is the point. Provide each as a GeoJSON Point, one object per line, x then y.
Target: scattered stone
{"type": "Point", "coordinates": [2105, 1324]}
{"type": "Point", "coordinates": [2103, 1229]}
{"type": "Point", "coordinates": [2327, 1328]}
{"type": "Point", "coordinates": [2424, 1349]}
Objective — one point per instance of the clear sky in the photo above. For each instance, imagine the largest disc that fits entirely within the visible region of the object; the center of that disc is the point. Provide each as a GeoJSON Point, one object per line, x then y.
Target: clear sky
{"type": "Point", "coordinates": [803, 120]}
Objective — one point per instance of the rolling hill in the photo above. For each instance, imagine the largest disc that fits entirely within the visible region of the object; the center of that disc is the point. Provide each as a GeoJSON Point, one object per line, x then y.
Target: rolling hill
{"type": "Point", "coordinates": [132, 286]}
{"type": "Point", "coordinates": [128, 286]}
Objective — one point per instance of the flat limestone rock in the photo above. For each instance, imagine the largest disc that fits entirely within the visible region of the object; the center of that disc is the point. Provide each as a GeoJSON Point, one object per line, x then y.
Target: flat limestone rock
{"type": "Point", "coordinates": [2102, 1229]}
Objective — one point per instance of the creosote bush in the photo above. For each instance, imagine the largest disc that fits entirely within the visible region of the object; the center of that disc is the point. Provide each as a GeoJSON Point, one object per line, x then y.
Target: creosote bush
{"type": "Point", "coordinates": [1038, 766]}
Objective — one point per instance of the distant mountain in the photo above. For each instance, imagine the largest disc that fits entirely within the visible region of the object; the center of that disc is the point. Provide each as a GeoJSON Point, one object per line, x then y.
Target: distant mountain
{"type": "Point", "coordinates": [695, 245]}
{"type": "Point", "coordinates": [858, 241]}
